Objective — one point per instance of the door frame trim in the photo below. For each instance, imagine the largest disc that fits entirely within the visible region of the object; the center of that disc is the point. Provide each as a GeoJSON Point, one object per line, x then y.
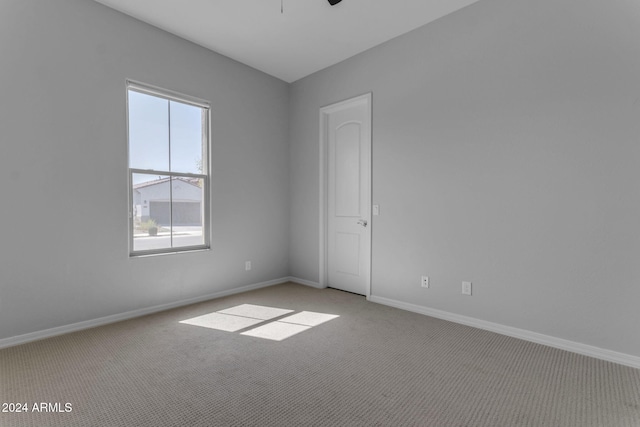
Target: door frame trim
{"type": "Point", "coordinates": [324, 177]}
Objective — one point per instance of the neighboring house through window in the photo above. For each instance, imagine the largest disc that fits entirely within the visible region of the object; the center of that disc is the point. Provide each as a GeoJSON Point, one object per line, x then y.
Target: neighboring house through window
{"type": "Point", "coordinates": [168, 140]}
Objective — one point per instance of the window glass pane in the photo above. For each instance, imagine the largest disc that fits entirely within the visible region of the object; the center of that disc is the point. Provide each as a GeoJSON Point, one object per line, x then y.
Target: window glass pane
{"type": "Point", "coordinates": [186, 138]}
{"type": "Point", "coordinates": [188, 212]}
{"type": "Point", "coordinates": [151, 212]}
{"type": "Point", "coordinates": [148, 131]}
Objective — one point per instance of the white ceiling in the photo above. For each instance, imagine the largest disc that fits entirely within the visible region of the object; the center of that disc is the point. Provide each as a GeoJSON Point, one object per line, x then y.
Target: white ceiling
{"type": "Point", "coordinates": [310, 35]}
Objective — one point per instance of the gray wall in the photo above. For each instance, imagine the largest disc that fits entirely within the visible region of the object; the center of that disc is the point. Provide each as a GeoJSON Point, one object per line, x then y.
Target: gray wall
{"type": "Point", "coordinates": [63, 171]}
{"type": "Point", "coordinates": [506, 150]}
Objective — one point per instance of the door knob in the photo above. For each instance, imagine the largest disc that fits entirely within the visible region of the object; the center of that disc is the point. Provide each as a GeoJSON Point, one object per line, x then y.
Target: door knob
{"type": "Point", "coordinates": [363, 222]}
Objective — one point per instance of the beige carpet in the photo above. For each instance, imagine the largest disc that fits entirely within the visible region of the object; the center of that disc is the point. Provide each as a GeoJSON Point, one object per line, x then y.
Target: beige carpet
{"type": "Point", "coordinates": [371, 366]}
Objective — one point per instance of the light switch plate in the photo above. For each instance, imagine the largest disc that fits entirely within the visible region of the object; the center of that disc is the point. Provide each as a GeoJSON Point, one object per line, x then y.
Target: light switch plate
{"type": "Point", "coordinates": [466, 288]}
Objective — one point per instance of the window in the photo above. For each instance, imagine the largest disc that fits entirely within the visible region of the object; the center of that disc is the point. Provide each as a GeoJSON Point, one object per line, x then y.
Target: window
{"type": "Point", "coordinates": [168, 138]}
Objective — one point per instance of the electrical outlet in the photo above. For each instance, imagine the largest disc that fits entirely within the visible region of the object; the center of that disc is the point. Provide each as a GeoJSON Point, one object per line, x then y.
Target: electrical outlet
{"type": "Point", "coordinates": [425, 281]}
{"type": "Point", "coordinates": [466, 288]}
{"type": "Point", "coordinates": [247, 265]}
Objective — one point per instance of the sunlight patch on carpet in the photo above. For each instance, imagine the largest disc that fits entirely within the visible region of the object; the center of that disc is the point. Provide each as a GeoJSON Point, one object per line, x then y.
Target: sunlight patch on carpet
{"type": "Point", "coordinates": [256, 311]}
{"type": "Point", "coordinates": [309, 318]}
{"type": "Point", "coordinates": [243, 316]}
{"type": "Point", "coordinates": [222, 322]}
{"type": "Point", "coordinates": [276, 331]}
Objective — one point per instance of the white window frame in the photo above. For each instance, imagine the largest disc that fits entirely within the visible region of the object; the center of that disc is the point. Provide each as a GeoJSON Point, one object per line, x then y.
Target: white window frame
{"type": "Point", "coordinates": [205, 175]}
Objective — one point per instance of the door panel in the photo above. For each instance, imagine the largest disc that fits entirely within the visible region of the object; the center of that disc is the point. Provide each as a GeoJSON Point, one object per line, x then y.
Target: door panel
{"type": "Point", "coordinates": [347, 253]}
{"type": "Point", "coordinates": [347, 170]}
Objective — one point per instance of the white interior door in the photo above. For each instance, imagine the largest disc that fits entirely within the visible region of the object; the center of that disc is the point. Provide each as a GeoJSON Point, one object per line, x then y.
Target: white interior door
{"type": "Point", "coordinates": [347, 137]}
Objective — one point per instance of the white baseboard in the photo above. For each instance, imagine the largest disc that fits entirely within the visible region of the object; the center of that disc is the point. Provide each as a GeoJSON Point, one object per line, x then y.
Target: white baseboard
{"type": "Point", "coordinates": [306, 282]}
{"type": "Point", "coordinates": [586, 350]}
{"type": "Point", "coordinates": [47, 333]}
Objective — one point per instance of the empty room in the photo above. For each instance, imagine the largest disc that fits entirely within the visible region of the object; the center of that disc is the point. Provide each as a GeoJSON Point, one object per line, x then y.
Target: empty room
{"type": "Point", "coordinates": [320, 213]}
